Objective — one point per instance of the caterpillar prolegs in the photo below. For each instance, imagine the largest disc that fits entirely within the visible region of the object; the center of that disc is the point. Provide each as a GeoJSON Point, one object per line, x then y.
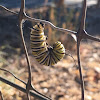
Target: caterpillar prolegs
{"type": "Point", "coordinates": [43, 54]}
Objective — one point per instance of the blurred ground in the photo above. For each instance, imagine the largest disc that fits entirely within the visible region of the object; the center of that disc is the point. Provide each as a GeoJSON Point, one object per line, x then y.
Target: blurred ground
{"type": "Point", "coordinates": [60, 82]}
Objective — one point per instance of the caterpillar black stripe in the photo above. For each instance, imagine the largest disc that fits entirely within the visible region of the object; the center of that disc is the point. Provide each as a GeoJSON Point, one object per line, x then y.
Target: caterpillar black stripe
{"type": "Point", "coordinates": [43, 54]}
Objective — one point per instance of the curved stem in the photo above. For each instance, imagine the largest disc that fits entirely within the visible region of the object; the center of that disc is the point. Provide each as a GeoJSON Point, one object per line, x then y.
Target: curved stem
{"type": "Point", "coordinates": [36, 95]}
{"type": "Point", "coordinates": [87, 36]}
{"type": "Point", "coordinates": [49, 23]}
{"type": "Point", "coordinates": [82, 26]}
{"type": "Point", "coordinates": [80, 70]}
{"type": "Point", "coordinates": [28, 61]}
{"type": "Point", "coordinates": [22, 6]}
{"type": "Point", "coordinates": [8, 10]}
{"type": "Point", "coordinates": [21, 14]}
{"type": "Point", "coordinates": [12, 75]}
{"type": "Point", "coordinates": [38, 20]}
{"type": "Point", "coordinates": [25, 50]}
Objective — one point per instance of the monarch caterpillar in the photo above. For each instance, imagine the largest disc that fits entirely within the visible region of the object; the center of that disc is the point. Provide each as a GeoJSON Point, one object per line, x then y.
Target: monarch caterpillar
{"type": "Point", "coordinates": [41, 51]}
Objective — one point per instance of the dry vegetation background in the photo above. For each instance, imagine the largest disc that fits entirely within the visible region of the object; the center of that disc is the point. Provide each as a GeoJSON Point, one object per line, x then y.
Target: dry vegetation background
{"type": "Point", "coordinates": [60, 82]}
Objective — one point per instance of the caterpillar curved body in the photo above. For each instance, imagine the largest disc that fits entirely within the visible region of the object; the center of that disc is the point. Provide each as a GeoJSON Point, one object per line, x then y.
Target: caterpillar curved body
{"type": "Point", "coordinates": [43, 54]}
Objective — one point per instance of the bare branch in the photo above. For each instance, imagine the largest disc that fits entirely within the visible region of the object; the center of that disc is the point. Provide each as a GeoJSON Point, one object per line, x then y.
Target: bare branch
{"type": "Point", "coordinates": [80, 70]}
{"type": "Point", "coordinates": [28, 85]}
{"type": "Point", "coordinates": [82, 26]}
{"type": "Point", "coordinates": [21, 14]}
{"type": "Point", "coordinates": [24, 83]}
{"type": "Point", "coordinates": [87, 36]}
{"type": "Point", "coordinates": [25, 49]}
{"type": "Point", "coordinates": [23, 89]}
{"type": "Point", "coordinates": [22, 6]}
{"type": "Point", "coordinates": [39, 20]}
{"type": "Point", "coordinates": [93, 38]}
{"type": "Point", "coordinates": [12, 75]}
{"type": "Point", "coordinates": [8, 10]}
{"type": "Point", "coordinates": [49, 23]}
{"type": "Point", "coordinates": [80, 36]}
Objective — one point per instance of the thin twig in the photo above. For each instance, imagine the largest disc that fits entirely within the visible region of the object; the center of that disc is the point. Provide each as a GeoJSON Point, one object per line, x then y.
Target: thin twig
{"type": "Point", "coordinates": [87, 36]}
{"type": "Point", "coordinates": [25, 49]}
{"type": "Point", "coordinates": [13, 75]}
{"type": "Point", "coordinates": [28, 61]}
{"type": "Point", "coordinates": [80, 36]}
{"type": "Point", "coordinates": [23, 89]}
{"type": "Point", "coordinates": [80, 70]}
{"type": "Point", "coordinates": [82, 26]}
{"type": "Point", "coordinates": [26, 17]}
{"type": "Point", "coordinates": [21, 13]}
{"type": "Point", "coordinates": [24, 83]}
{"type": "Point", "coordinates": [6, 9]}
{"type": "Point", "coordinates": [50, 24]}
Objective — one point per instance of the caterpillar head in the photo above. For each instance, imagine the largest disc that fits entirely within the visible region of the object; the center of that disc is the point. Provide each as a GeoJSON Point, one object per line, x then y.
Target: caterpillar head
{"type": "Point", "coordinates": [39, 27]}
{"type": "Point", "coordinates": [42, 24]}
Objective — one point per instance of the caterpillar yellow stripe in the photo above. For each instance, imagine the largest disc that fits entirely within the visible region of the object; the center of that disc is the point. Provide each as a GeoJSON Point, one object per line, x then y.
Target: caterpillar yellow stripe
{"type": "Point", "coordinates": [43, 54]}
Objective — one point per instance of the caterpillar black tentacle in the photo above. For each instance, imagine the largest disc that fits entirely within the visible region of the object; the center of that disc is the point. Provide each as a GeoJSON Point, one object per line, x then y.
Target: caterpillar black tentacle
{"type": "Point", "coordinates": [43, 53]}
